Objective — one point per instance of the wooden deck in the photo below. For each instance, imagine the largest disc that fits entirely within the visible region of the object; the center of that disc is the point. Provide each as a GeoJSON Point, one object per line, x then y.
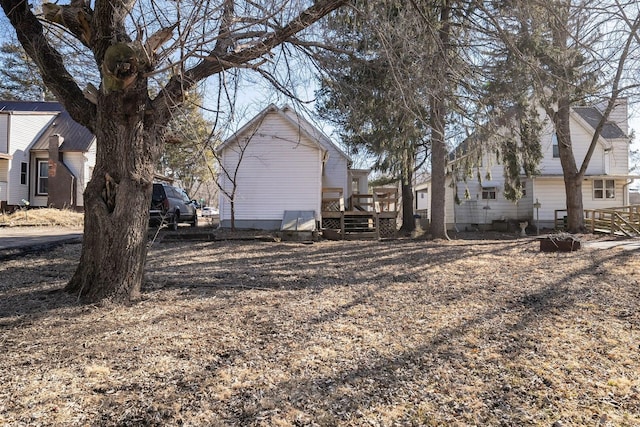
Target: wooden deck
{"type": "Point", "coordinates": [621, 221]}
{"type": "Point", "coordinates": [362, 216]}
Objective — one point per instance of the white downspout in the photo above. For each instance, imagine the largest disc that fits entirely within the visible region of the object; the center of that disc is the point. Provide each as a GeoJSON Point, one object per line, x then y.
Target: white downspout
{"type": "Point", "coordinates": [625, 192]}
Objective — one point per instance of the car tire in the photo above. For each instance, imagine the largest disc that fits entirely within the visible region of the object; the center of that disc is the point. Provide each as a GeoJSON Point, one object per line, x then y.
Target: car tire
{"type": "Point", "coordinates": [173, 225]}
{"type": "Point", "coordinates": [194, 223]}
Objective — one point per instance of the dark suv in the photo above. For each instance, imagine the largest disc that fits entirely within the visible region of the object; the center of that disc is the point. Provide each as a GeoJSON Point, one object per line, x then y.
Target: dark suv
{"type": "Point", "coordinates": [171, 205]}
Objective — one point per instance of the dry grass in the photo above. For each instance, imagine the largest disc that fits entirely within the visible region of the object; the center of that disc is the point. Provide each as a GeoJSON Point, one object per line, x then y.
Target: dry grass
{"type": "Point", "coordinates": [396, 333]}
{"type": "Point", "coordinates": [43, 217]}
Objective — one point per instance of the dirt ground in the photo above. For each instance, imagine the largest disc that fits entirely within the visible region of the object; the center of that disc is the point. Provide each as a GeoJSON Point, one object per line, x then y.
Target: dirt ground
{"type": "Point", "coordinates": [366, 333]}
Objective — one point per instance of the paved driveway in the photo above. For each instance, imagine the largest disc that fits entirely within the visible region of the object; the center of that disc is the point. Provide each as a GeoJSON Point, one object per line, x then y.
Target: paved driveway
{"type": "Point", "coordinates": [30, 237]}
{"type": "Point", "coordinates": [621, 244]}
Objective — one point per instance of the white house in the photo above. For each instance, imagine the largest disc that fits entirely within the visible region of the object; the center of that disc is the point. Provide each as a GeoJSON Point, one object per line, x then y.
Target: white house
{"type": "Point", "coordinates": [280, 162]}
{"type": "Point", "coordinates": [606, 182]}
{"type": "Point", "coordinates": [46, 158]}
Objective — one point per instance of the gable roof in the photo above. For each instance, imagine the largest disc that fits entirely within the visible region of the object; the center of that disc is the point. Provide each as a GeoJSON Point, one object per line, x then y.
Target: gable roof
{"type": "Point", "coordinates": [76, 137]}
{"type": "Point", "coordinates": [592, 116]}
{"type": "Point", "coordinates": [298, 122]}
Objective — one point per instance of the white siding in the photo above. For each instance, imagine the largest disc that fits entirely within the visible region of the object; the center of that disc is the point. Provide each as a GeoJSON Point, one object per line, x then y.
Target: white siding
{"type": "Point", "coordinates": [4, 133]}
{"type": "Point", "coordinates": [450, 209]}
{"type": "Point", "coordinates": [450, 206]}
{"type": "Point", "coordinates": [24, 129]}
{"type": "Point", "coordinates": [89, 161]}
{"type": "Point", "coordinates": [619, 157]}
{"type": "Point", "coordinates": [4, 169]}
{"type": "Point", "coordinates": [75, 162]}
{"type": "Point", "coordinates": [335, 172]}
{"type": "Point", "coordinates": [548, 188]}
{"type": "Point", "coordinates": [580, 139]}
{"type": "Point", "coordinates": [476, 210]}
{"type": "Point", "coordinates": [16, 190]}
{"type": "Point", "coordinates": [581, 135]}
{"type": "Point", "coordinates": [589, 202]}
{"type": "Point", "coordinates": [551, 195]}
{"type": "Point", "coordinates": [280, 170]}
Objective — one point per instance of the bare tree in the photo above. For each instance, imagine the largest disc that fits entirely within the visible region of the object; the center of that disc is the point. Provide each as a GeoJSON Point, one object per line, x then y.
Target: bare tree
{"type": "Point", "coordinates": [132, 42]}
{"type": "Point", "coordinates": [227, 176]}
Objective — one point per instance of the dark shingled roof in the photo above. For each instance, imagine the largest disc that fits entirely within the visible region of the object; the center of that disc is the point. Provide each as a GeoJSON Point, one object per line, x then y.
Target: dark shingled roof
{"type": "Point", "coordinates": [30, 106]}
{"type": "Point", "coordinates": [76, 137]}
{"type": "Point", "coordinates": [591, 115]}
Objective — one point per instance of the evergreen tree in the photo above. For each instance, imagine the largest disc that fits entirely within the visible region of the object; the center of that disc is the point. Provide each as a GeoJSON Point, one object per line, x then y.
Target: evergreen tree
{"type": "Point", "coordinates": [188, 156]}
{"type": "Point", "coordinates": [366, 92]}
{"type": "Point", "coordinates": [19, 76]}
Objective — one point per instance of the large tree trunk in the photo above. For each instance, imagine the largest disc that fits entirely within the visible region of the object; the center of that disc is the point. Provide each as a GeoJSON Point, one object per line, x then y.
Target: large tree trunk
{"type": "Point", "coordinates": [408, 220]}
{"type": "Point", "coordinates": [572, 177]}
{"type": "Point", "coordinates": [438, 228]}
{"type": "Point", "coordinates": [129, 127]}
{"type": "Point", "coordinates": [117, 201]}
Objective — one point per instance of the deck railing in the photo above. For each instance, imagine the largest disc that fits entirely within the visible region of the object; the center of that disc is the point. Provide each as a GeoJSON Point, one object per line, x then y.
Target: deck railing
{"type": "Point", "coordinates": [332, 200]}
{"type": "Point", "coordinates": [624, 220]}
{"type": "Point", "coordinates": [373, 213]}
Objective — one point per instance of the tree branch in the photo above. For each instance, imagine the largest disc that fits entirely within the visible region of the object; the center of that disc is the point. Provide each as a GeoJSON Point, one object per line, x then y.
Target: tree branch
{"type": "Point", "coordinates": [615, 93]}
{"type": "Point", "coordinates": [55, 76]}
{"type": "Point", "coordinates": [217, 62]}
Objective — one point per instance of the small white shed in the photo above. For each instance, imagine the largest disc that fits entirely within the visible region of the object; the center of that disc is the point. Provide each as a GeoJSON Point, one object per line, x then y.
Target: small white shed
{"type": "Point", "coordinates": [277, 162]}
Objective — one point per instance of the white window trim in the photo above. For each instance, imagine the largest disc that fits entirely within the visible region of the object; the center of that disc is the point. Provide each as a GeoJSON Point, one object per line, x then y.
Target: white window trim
{"type": "Point", "coordinates": [554, 144]}
{"type": "Point", "coordinates": [24, 175]}
{"type": "Point", "coordinates": [607, 192]}
{"type": "Point", "coordinates": [488, 191]}
{"type": "Point", "coordinates": [39, 177]}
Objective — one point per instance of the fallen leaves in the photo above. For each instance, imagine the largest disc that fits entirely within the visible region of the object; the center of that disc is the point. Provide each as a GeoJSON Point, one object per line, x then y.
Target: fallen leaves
{"type": "Point", "coordinates": [335, 333]}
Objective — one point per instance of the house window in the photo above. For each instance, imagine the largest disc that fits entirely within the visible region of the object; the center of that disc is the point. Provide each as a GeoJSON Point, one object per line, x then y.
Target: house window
{"type": "Point", "coordinates": [604, 189]}
{"type": "Point", "coordinates": [488, 193]}
{"type": "Point", "coordinates": [355, 186]}
{"type": "Point", "coordinates": [23, 173]}
{"type": "Point", "coordinates": [554, 144]}
{"type": "Point", "coordinates": [43, 177]}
